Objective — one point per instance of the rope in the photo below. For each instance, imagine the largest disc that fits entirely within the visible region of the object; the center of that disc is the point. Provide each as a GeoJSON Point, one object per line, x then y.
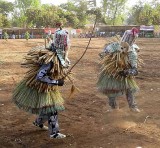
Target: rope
{"type": "Point", "coordinates": [84, 51]}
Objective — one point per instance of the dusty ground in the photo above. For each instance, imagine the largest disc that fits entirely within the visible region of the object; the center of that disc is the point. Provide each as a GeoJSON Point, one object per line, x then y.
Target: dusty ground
{"type": "Point", "coordinates": [85, 120]}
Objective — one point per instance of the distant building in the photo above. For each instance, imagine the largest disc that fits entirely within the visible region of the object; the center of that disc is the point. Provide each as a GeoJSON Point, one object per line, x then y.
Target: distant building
{"type": "Point", "coordinates": [146, 31]}
{"type": "Point", "coordinates": [108, 30]}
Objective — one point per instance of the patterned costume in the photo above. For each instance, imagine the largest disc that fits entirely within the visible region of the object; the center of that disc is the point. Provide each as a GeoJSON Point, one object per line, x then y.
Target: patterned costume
{"type": "Point", "coordinates": [119, 66]}
{"type": "Point", "coordinates": [39, 91]}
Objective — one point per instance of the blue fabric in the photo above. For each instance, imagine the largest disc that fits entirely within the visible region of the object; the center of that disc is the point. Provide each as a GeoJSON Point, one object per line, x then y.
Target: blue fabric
{"type": "Point", "coordinates": [132, 72]}
{"type": "Point", "coordinates": [112, 47]}
{"type": "Point", "coordinates": [43, 74]}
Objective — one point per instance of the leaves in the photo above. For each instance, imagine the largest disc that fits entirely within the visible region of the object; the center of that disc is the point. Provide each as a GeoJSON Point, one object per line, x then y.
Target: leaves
{"type": "Point", "coordinates": [145, 13]}
{"type": "Point", "coordinates": [76, 14]}
{"type": "Point", "coordinates": [113, 11]}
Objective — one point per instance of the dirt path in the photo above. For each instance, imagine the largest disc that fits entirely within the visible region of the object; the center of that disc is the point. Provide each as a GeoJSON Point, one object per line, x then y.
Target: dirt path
{"type": "Point", "coordinates": [85, 120]}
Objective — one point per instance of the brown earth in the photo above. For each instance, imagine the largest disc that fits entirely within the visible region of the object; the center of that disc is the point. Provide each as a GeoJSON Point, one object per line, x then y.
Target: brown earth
{"type": "Point", "coordinates": [85, 120]}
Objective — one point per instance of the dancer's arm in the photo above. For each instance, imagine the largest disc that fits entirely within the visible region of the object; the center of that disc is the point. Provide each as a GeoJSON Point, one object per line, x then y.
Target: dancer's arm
{"type": "Point", "coordinates": [42, 75]}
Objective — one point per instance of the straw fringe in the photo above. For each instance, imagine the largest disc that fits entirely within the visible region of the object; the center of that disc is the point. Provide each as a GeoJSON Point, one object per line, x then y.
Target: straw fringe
{"type": "Point", "coordinates": [34, 96]}
{"type": "Point", "coordinates": [110, 82]}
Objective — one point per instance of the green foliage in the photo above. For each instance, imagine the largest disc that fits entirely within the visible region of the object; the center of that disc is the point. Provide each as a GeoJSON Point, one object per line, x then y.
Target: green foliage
{"type": "Point", "coordinates": [6, 7]}
{"type": "Point", "coordinates": [145, 17]}
{"type": "Point", "coordinates": [23, 5]}
{"type": "Point", "coordinates": [20, 16]}
{"type": "Point", "coordinates": [77, 13]}
{"type": "Point", "coordinates": [113, 10]}
{"type": "Point", "coordinates": [145, 14]}
{"type": "Point", "coordinates": [72, 19]}
{"type": "Point", "coordinates": [27, 35]}
{"type": "Point", "coordinates": [77, 10]}
{"type": "Point", "coordinates": [1, 23]}
{"type": "Point", "coordinates": [4, 21]}
{"type": "Point", "coordinates": [47, 16]}
{"type": "Point", "coordinates": [34, 17]}
{"type": "Point", "coordinates": [19, 20]}
{"type": "Point", "coordinates": [6, 36]}
{"type": "Point", "coordinates": [96, 12]}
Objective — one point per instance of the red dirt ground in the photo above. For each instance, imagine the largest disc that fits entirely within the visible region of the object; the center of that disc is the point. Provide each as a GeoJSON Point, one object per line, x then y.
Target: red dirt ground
{"type": "Point", "coordinates": [85, 120]}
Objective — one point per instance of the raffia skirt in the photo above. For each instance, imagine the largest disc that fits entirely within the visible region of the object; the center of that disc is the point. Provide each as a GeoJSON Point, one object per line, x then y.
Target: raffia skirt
{"type": "Point", "coordinates": [34, 96]}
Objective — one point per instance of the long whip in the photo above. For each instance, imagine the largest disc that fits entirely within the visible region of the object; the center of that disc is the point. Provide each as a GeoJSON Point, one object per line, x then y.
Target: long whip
{"type": "Point", "coordinates": [84, 51]}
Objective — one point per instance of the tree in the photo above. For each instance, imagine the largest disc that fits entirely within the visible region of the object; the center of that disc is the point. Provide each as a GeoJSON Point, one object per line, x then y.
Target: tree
{"type": "Point", "coordinates": [34, 17]}
{"type": "Point", "coordinates": [6, 7]}
{"type": "Point", "coordinates": [27, 35]}
{"type": "Point", "coordinates": [52, 14]}
{"type": "Point", "coordinates": [78, 9]}
{"type": "Point", "coordinates": [6, 36]}
{"type": "Point", "coordinates": [19, 19]}
{"type": "Point", "coordinates": [156, 12]}
{"type": "Point", "coordinates": [1, 23]}
{"type": "Point", "coordinates": [134, 13]}
{"type": "Point", "coordinates": [92, 3]}
{"type": "Point", "coordinates": [19, 16]}
{"type": "Point", "coordinates": [113, 10]}
{"type": "Point", "coordinates": [23, 5]}
{"type": "Point", "coordinates": [72, 20]}
{"type": "Point", "coordinates": [145, 14]}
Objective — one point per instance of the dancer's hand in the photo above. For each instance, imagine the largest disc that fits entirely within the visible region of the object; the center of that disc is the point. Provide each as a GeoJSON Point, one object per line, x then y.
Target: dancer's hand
{"type": "Point", "coordinates": [128, 72]}
{"type": "Point", "coordinates": [60, 82]}
{"type": "Point", "coordinates": [123, 73]}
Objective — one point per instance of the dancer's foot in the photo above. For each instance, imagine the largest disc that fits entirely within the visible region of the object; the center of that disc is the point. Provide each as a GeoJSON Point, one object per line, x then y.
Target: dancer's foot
{"type": "Point", "coordinates": [41, 126]}
{"type": "Point", "coordinates": [135, 109]}
{"type": "Point", "coordinates": [111, 109]}
{"type": "Point", "coordinates": [58, 136]}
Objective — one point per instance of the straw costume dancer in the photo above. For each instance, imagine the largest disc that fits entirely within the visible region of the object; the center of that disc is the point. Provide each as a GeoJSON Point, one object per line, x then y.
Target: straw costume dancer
{"type": "Point", "coordinates": [39, 91]}
{"type": "Point", "coordinates": [119, 67]}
